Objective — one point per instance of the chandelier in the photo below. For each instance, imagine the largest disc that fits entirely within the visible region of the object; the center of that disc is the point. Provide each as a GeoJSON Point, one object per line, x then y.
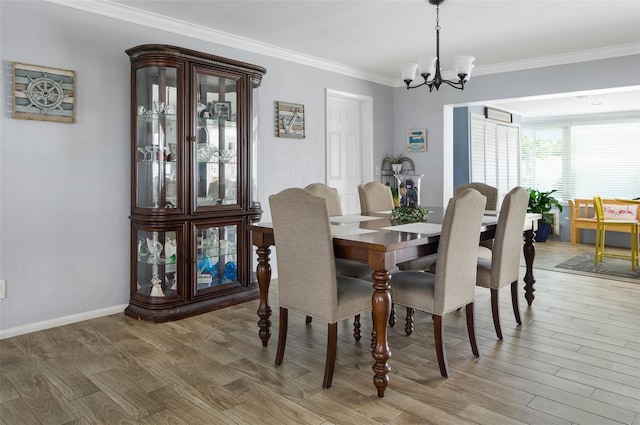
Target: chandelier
{"type": "Point", "coordinates": [461, 64]}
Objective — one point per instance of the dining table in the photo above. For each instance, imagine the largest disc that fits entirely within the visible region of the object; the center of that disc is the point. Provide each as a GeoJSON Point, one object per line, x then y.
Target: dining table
{"type": "Point", "coordinates": [375, 241]}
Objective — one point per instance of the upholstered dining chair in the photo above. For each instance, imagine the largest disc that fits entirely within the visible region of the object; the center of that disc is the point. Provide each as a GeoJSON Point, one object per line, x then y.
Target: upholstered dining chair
{"type": "Point", "coordinates": [500, 266]}
{"type": "Point", "coordinates": [603, 223]}
{"type": "Point", "coordinates": [375, 197]}
{"type": "Point", "coordinates": [343, 267]}
{"type": "Point", "coordinates": [330, 194]}
{"type": "Point", "coordinates": [492, 200]}
{"type": "Point", "coordinates": [453, 284]}
{"type": "Point", "coordinates": [307, 280]}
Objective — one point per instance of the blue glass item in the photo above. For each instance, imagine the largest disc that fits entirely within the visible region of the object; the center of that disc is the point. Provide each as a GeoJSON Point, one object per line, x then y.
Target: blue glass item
{"type": "Point", "coordinates": [230, 270]}
{"type": "Point", "coordinates": [204, 265]}
{"type": "Point", "coordinates": [215, 270]}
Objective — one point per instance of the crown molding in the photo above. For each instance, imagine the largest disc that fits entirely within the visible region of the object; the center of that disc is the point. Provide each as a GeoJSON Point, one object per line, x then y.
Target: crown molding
{"type": "Point", "coordinates": [151, 20]}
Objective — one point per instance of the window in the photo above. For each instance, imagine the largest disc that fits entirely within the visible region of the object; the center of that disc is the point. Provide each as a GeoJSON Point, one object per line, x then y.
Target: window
{"type": "Point", "coordinates": [583, 159]}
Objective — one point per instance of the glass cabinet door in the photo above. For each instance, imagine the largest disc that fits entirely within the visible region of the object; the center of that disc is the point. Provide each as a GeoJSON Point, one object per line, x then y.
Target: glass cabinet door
{"type": "Point", "coordinates": [216, 144]}
{"type": "Point", "coordinates": [216, 256]}
{"type": "Point", "coordinates": [157, 163]}
{"type": "Point", "coordinates": [156, 271]}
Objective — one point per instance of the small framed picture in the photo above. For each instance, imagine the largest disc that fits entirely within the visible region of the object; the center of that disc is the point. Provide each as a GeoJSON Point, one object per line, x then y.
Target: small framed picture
{"type": "Point", "coordinates": [498, 115]}
{"type": "Point", "coordinates": [417, 140]}
{"type": "Point", "coordinates": [290, 120]}
{"type": "Point", "coordinates": [221, 110]}
{"type": "Point", "coordinates": [44, 94]}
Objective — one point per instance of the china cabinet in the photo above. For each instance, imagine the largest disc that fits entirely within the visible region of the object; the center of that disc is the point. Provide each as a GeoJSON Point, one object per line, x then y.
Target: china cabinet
{"type": "Point", "coordinates": [193, 131]}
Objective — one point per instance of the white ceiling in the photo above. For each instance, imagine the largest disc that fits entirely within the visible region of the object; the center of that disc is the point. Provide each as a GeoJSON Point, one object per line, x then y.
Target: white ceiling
{"type": "Point", "coordinates": [372, 37]}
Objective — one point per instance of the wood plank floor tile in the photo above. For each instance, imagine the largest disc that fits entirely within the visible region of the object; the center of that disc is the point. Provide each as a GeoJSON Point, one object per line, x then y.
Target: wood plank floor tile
{"type": "Point", "coordinates": [130, 397]}
{"type": "Point", "coordinates": [17, 412]}
{"type": "Point", "coordinates": [98, 408]}
{"type": "Point", "coordinates": [572, 414]}
{"type": "Point", "coordinates": [582, 403]}
{"type": "Point", "coordinates": [45, 401]}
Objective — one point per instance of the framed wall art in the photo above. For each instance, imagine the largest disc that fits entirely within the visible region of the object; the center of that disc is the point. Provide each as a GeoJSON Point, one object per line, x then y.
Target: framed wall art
{"type": "Point", "coordinates": [290, 120]}
{"type": "Point", "coordinates": [44, 94]}
{"type": "Point", "coordinates": [417, 140]}
{"type": "Point", "coordinates": [498, 115]}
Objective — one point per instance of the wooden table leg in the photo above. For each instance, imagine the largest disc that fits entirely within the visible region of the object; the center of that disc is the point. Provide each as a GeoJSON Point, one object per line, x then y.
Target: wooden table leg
{"type": "Point", "coordinates": [263, 273]}
{"type": "Point", "coordinates": [529, 250]}
{"type": "Point", "coordinates": [381, 309]}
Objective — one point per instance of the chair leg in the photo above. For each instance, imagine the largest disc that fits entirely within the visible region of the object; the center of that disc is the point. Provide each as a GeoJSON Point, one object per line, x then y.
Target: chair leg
{"type": "Point", "coordinates": [597, 251]}
{"type": "Point", "coordinates": [408, 327]}
{"type": "Point", "coordinates": [471, 329]}
{"type": "Point", "coordinates": [332, 346]}
{"type": "Point", "coordinates": [438, 330]}
{"type": "Point", "coordinates": [514, 301]}
{"type": "Point", "coordinates": [357, 334]}
{"type": "Point", "coordinates": [495, 295]}
{"type": "Point", "coordinates": [282, 334]}
{"type": "Point", "coordinates": [308, 320]}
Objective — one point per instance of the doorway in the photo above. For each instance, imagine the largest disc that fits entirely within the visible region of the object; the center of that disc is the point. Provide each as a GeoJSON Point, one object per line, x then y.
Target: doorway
{"type": "Point", "coordinates": [349, 145]}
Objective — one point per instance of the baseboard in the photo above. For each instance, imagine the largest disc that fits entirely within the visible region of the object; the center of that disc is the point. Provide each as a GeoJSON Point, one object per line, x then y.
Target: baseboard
{"type": "Point", "coordinates": [47, 324]}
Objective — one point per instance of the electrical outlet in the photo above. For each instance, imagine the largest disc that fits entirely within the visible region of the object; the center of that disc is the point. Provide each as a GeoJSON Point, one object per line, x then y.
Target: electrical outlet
{"type": "Point", "coordinates": [3, 289]}
{"type": "Point", "coordinates": [377, 172]}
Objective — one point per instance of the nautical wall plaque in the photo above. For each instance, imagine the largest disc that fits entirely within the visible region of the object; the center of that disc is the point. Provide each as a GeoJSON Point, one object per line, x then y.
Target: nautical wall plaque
{"type": "Point", "coordinates": [290, 120]}
{"type": "Point", "coordinates": [45, 94]}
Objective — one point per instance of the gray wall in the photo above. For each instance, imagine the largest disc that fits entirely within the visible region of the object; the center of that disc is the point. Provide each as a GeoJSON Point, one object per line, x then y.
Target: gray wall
{"type": "Point", "coordinates": [64, 188]}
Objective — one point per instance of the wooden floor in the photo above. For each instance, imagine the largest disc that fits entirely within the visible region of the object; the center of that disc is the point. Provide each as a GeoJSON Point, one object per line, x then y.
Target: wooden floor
{"type": "Point", "coordinates": [575, 360]}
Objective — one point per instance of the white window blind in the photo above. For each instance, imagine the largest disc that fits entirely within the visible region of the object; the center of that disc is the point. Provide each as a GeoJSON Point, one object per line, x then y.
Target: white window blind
{"type": "Point", "coordinates": [495, 154]}
{"type": "Point", "coordinates": [583, 159]}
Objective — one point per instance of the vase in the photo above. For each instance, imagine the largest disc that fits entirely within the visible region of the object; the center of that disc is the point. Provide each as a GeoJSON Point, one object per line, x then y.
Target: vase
{"type": "Point", "coordinates": [396, 168]}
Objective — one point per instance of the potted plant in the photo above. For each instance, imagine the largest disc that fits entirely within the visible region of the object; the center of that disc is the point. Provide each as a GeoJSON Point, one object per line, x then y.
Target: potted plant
{"type": "Point", "coordinates": [541, 203]}
{"type": "Point", "coordinates": [395, 161]}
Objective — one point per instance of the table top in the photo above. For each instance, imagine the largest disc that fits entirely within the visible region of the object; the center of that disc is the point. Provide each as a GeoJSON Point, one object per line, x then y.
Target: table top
{"type": "Point", "coordinates": [375, 233]}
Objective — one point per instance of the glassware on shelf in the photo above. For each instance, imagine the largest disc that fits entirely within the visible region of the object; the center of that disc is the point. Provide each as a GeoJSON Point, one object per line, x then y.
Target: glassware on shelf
{"type": "Point", "coordinates": [155, 248]}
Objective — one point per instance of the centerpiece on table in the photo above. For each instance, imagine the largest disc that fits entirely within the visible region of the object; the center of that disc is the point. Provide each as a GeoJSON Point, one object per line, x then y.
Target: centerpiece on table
{"type": "Point", "coordinates": [408, 212]}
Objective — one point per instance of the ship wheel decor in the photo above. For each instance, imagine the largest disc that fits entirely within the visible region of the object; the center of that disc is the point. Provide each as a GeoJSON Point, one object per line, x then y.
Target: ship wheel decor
{"type": "Point", "coordinates": [45, 94]}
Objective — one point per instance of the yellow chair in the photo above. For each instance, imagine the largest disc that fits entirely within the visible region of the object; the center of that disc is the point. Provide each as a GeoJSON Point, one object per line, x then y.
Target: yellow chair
{"type": "Point", "coordinates": [602, 224]}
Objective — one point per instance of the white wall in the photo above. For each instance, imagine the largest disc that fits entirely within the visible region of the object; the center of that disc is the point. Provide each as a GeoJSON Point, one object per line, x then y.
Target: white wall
{"type": "Point", "coordinates": [418, 108]}
{"type": "Point", "coordinates": [64, 188]}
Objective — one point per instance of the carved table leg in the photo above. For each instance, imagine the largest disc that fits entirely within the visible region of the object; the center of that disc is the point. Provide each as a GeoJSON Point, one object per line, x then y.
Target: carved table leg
{"type": "Point", "coordinates": [263, 273]}
{"type": "Point", "coordinates": [529, 250]}
{"type": "Point", "coordinates": [381, 303]}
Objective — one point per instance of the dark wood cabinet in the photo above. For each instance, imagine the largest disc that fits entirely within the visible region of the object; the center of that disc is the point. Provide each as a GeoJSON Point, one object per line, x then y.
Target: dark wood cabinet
{"type": "Point", "coordinates": [193, 130]}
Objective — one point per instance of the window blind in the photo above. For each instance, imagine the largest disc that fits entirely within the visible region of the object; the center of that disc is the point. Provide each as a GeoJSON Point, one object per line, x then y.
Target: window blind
{"type": "Point", "coordinates": [583, 159]}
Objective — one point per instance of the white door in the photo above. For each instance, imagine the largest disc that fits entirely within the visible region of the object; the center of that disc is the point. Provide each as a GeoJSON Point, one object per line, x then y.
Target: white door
{"type": "Point", "coordinates": [349, 146]}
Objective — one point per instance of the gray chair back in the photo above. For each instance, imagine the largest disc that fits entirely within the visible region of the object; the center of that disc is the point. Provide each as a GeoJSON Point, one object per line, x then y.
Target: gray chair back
{"type": "Point", "coordinates": [375, 196]}
{"type": "Point", "coordinates": [458, 251]}
{"type": "Point", "coordinates": [507, 246]}
{"type": "Point", "coordinates": [330, 195]}
{"type": "Point", "coordinates": [304, 252]}
{"type": "Point", "coordinates": [489, 191]}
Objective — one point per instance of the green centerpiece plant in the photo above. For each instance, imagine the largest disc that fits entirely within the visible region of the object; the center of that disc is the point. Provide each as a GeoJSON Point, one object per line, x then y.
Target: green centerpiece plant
{"type": "Point", "coordinates": [409, 214]}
